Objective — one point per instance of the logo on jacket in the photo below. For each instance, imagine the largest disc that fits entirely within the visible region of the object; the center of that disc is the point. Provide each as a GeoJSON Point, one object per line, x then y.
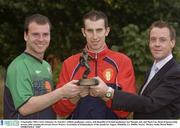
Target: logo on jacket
{"type": "Point", "coordinates": [108, 74]}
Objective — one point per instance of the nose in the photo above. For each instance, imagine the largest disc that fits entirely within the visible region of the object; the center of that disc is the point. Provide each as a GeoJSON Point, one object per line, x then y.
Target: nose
{"type": "Point", "coordinates": [94, 35]}
{"type": "Point", "coordinates": [41, 38]}
{"type": "Point", "coordinates": [157, 43]}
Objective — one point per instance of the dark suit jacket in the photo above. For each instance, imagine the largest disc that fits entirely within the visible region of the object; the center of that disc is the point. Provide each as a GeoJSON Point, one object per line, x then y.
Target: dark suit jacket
{"type": "Point", "coordinates": [160, 99]}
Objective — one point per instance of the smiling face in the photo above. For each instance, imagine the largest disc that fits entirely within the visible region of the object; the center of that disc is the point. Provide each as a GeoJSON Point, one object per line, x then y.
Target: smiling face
{"type": "Point", "coordinates": [37, 39]}
{"type": "Point", "coordinates": [95, 33]}
{"type": "Point", "coordinates": [160, 43]}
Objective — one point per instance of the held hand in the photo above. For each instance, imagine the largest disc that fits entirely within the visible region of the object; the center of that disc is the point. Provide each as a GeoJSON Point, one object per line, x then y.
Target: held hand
{"type": "Point", "coordinates": [99, 90]}
{"type": "Point", "coordinates": [71, 89]}
{"type": "Point", "coordinates": [84, 91]}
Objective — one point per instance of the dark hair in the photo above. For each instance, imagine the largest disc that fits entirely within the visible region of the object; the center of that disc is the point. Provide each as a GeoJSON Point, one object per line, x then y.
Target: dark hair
{"type": "Point", "coordinates": [38, 18]}
{"type": "Point", "coordinates": [163, 24]}
{"type": "Point", "coordinates": [94, 15]}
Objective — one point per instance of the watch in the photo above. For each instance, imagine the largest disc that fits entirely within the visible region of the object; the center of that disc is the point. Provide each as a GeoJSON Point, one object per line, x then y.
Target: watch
{"type": "Point", "coordinates": [108, 93]}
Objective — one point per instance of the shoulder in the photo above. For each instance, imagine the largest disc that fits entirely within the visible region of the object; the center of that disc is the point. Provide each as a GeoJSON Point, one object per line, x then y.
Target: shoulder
{"type": "Point", "coordinates": [18, 62]}
{"type": "Point", "coordinates": [17, 68]}
{"type": "Point", "coordinates": [119, 56]}
{"type": "Point", "coordinates": [176, 68]}
{"type": "Point", "coordinates": [173, 69]}
{"type": "Point", "coordinates": [72, 59]}
{"type": "Point", "coordinates": [46, 63]}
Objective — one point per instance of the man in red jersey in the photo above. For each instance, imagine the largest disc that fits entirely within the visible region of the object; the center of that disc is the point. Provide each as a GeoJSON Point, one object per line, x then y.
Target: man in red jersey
{"type": "Point", "coordinates": [114, 68]}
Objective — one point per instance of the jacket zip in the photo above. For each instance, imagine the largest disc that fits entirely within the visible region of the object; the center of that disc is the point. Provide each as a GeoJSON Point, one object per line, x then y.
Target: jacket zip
{"type": "Point", "coordinates": [96, 57]}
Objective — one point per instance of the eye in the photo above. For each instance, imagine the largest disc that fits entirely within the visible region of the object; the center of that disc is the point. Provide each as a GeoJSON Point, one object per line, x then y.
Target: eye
{"type": "Point", "coordinates": [35, 35]}
{"type": "Point", "coordinates": [162, 39]}
{"type": "Point", "coordinates": [89, 30]}
{"type": "Point", "coordinates": [99, 30]}
{"type": "Point", "coordinates": [152, 39]}
{"type": "Point", "coordinates": [46, 34]}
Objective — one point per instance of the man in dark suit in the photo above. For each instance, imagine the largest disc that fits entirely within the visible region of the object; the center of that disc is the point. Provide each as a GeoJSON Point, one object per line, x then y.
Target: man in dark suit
{"type": "Point", "coordinates": [159, 97]}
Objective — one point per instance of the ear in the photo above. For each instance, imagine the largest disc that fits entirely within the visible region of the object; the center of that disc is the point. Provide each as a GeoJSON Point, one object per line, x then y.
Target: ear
{"type": "Point", "coordinates": [107, 31]}
{"type": "Point", "coordinates": [173, 42]}
{"type": "Point", "coordinates": [25, 36]}
{"type": "Point", "coordinates": [83, 32]}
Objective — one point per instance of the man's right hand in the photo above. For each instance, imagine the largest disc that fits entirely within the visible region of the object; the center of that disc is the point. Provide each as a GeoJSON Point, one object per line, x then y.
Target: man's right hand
{"type": "Point", "coordinates": [71, 89]}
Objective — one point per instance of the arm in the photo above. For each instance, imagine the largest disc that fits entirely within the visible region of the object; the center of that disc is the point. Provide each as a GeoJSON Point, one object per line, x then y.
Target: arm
{"type": "Point", "coordinates": [19, 83]}
{"type": "Point", "coordinates": [64, 107]}
{"type": "Point", "coordinates": [38, 103]}
{"type": "Point", "coordinates": [167, 92]}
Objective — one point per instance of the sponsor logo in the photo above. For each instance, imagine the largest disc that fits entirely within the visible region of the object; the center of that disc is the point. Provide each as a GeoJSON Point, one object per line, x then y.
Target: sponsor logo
{"type": "Point", "coordinates": [47, 86]}
{"type": "Point", "coordinates": [37, 71]}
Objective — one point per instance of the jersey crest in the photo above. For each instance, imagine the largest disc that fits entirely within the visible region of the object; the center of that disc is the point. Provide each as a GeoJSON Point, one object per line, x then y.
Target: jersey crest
{"type": "Point", "coordinates": [108, 74]}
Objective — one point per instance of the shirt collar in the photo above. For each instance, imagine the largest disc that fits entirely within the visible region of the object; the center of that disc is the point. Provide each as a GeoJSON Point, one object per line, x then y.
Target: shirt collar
{"type": "Point", "coordinates": [162, 62]}
{"type": "Point", "coordinates": [96, 55]}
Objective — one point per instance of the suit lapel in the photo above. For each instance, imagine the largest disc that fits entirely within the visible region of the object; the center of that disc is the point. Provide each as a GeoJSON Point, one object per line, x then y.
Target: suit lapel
{"type": "Point", "coordinates": [159, 75]}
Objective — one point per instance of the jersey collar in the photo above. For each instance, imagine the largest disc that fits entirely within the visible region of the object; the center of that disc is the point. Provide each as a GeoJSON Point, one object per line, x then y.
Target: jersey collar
{"type": "Point", "coordinates": [41, 61]}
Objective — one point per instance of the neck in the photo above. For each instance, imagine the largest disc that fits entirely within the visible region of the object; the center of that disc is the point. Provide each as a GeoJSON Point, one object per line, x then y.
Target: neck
{"type": "Point", "coordinates": [96, 51]}
{"type": "Point", "coordinates": [38, 56]}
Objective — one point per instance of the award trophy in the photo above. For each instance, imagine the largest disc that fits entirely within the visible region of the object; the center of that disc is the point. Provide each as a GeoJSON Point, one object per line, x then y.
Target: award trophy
{"type": "Point", "coordinates": [84, 62]}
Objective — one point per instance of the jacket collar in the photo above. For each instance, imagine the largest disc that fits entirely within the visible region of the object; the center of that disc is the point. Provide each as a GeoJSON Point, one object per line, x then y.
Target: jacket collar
{"type": "Point", "coordinates": [100, 54]}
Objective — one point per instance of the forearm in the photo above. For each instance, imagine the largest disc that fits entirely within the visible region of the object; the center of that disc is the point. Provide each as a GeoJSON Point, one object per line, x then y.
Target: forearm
{"type": "Point", "coordinates": [38, 103]}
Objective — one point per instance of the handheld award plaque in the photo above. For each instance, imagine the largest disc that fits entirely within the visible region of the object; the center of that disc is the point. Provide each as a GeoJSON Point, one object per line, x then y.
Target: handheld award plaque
{"type": "Point", "coordinates": [84, 62]}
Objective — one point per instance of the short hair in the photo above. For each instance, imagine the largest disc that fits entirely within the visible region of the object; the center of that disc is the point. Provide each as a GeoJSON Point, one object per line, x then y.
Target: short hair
{"type": "Point", "coordinates": [37, 18]}
{"type": "Point", "coordinates": [94, 15]}
{"type": "Point", "coordinates": [163, 24]}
